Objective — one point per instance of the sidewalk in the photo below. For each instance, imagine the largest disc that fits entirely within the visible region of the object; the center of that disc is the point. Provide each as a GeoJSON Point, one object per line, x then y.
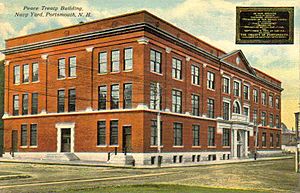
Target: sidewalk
{"type": "Point", "coordinates": [168, 165]}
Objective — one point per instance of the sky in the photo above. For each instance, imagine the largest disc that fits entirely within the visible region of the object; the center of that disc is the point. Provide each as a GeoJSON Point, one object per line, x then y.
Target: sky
{"type": "Point", "coordinates": [210, 20]}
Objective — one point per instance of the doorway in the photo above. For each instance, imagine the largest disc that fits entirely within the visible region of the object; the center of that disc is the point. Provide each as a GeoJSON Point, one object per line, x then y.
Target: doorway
{"type": "Point", "coordinates": [127, 138]}
{"type": "Point", "coordinates": [14, 145]}
{"type": "Point", "coordinates": [66, 140]}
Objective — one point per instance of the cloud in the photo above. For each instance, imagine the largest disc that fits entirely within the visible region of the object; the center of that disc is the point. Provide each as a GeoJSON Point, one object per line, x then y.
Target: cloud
{"type": "Point", "coordinates": [26, 29]}
{"type": "Point", "coordinates": [2, 8]}
{"type": "Point", "coordinates": [7, 30]}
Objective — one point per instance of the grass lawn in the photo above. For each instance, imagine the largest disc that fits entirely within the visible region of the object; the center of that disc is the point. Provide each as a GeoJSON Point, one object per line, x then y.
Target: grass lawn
{"type": "Point", "coordinates": [160, 188]}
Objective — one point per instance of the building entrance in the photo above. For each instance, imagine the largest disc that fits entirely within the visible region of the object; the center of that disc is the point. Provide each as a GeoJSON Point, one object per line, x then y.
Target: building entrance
{"type": "Point", "coordinates": [66, 140]}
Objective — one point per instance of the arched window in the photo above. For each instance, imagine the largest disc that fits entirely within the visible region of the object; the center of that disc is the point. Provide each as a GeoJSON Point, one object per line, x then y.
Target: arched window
{"type": "Point", "coordinates": [236, 108]}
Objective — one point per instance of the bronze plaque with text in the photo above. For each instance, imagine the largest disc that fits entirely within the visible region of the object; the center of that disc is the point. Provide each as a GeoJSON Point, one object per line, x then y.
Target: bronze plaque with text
{"type": "Point", "coordinates": [264, 25]}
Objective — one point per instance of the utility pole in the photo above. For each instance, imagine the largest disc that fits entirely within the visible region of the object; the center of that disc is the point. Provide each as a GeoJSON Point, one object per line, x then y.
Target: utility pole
{"type": "Point", "coordinates": [158, 117]}
{"type": "Point", "coordinates": [256, 140]}
{"type": "Point", "coordinates": [297, 124]}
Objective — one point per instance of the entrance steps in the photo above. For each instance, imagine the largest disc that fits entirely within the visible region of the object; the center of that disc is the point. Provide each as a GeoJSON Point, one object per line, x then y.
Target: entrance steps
{"type": "Point", "coordinates": [121, 159]}
{"type": "Point", "coordinates": [61, 157]}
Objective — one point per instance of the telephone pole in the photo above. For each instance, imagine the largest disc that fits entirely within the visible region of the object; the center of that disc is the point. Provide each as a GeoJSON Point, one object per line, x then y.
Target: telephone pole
{"type": "Point", "coordinates": [297, 125]}
{"type": "Point", "coordinates": [158, 118]}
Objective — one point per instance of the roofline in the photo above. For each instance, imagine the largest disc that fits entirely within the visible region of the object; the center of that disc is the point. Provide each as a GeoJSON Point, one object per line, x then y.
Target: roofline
{"type": "Point", "coordinates": [118, 16]}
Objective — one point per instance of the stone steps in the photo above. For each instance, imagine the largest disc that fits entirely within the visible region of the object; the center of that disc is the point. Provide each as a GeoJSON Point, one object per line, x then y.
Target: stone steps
{"type": "Point", "coordinates": [61, 157]}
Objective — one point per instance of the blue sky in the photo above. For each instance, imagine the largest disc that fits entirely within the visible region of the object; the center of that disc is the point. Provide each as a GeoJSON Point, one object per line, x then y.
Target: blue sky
{"type": "Point", "coordinates": [211, 20]}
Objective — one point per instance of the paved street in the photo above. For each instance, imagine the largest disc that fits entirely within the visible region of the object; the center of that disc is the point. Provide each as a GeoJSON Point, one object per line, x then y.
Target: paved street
{"type": "Point", "coordinates": [267, 176]}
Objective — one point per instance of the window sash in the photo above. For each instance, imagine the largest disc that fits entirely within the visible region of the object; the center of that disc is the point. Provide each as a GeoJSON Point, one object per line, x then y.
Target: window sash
{"type": "Point", "coordinates": [115, 61]}
{"type": "Point", "coordinates": [101, 137]}
{"type": "Point", "coordinates": [211, 136]}
{"type": "Point", "coordinates": [127, 96]}
{"type": "Point", "coordinates": [114, 128]}
{"type": "Point", "coordinates": [61, 101]}
{"type": "Point", "coordinates": [16, 105]}
{"type": "Point", "coordinates": [177, 134]}
{"type": "Point", "coordinates": [25, 104]}
{"type": "Point", "coordinates": [210, 108]}
{"type": "Point", "coordinates": [176, 68]}
{"type": "Point", "coordinates": [155, 61]}
{"type": "Point", "coordinates": [176, 101]}
{"type": "Point", "coordinates": [115, 96]}
{"type": "Point", "coordinates": [196, 135]}
{"type": "Point", "coordinates": [153, 96]}
{"type": "Point", "coordinates": [210, 80]}
{"type": "Point", "coordinates": [128, 58]}
{"type": "Point", "coordinates": [102, 68]}
{"type": "Point", "coordinates": [23, 135]}
{"type": "Point", "coordinates": [25, 73]}
{"type": "Point", "coordinates": [72, 100]}
{"type": "Point", "coordinates": [225, 85]}
{"type": "Point", "coordinates": [226, 111]}
{"type": "Point", "coordinates": [34, 103]}
{"type": "Point", "coordinates": [226, 137]}
{"type": "Point", "coordinates": [62, 68]}
{"type": "Point", "coordinates": [195, 75]}
{"type": "Point", "coordinates": [154, 139]}
{"type": "Point", "coordinates": [195, 105]}
{"type": "Point", "coordinates": [35, 72]}
{"type": "Point", "coordinates": [72, 66]}
{"type": "Point", "coordinates": [102, 97]}
{"type": "Point", "coordinates": [33, 135]}
{"type": "Point", "coordinates": [246, 92]}
{"type": "Point", "coordinates": [17, 74]}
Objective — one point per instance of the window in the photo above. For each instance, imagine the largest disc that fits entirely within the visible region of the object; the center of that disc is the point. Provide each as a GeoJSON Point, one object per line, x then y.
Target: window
{"type": "Point", "coordinates": [226, 137]}
{"type": "Point", "coordinates": [102, 94]}
{"type": "Point", "coordinates": [195, 71]}
{"type": "Point", "coordinates": [25, 104]}
{"type": "Point", "coordinates": [255, 117]}
{"type": "Point", "coordinates": [114, 132]}
{"type": "Point", "coordinates": [128, 61]}
{"type": "Point", "coordinates": [17, 74]}
{"type": "Point", "coordinates": [195, 105]}
{"type": "Point", "coordinates": [255, 95]}
{"type": "Point", "coordinates": [236, 88]}
{"type": "Point", "coordinates": [176, 101]}
{"type": "Point", "coordinates": [263, 98]}
{"type": "Point", "coordinates": [61, 101]}
{"type": "Point", "coordinates": [226, 111]}
{"type": "Point", "coordinates": [211, 108]}
{"type": "Point", "coordinates": [101, 134]}
{"type": "Point", "coordinates": [264, 139]}
{"type": "Point", "coordinates": [271, 140]}
{"type": "Point", "coordinates": [236, 108]}
{"type": "Point", "coordinates": [211, 136]}
{"type": "Point", "coordinates": [34, 103]}
{"type": "Point", "coordinates": [246, 92]}
{"type": "Point", "coordinates": [102, 64]}
{"type": "Point", "coordinates": [62, 68]}
{"type": "Point", "coordinates": [155, 61]}
{"type": "Point", "coordinates": [35, 72]}
{"type": "Point", "coordinates": [72, 100]}
{"type": "Point", "coordinates": [277, 122]}
{"type": "Point", "coordinates": [23, 135]}
{"type": "Point", "coordinates": [277, 103]}
{"type": "Point", "coordinates": [115, 61]}
{"type": "Point", "coordinates": [271, 120]}
{"type": "Point", "coordinates": [33, 135]}
{"type": "Point", "coordinates": [226, 85]}
{"type": "Point", "coordinates": [210, 80]}
{"type": "Point", "coordinates": [177, 134]}
{"type": "Point", "coordinates": [154, 94]}
{"type": "Point", "coordinates": [127, 96]}
{"type": "Point", "coordinates": [246, 111]}
{"type": "Point", "coordinates": [72, 66]}
{"type": "Point", "coordinates": [278, 140]}
{"type": "Point", "coordinates": [264, 119]}
{"type": "Point", "coordinates": [176, 69]}
{"type": "Point", "coordinates": [271, 101]}
{"type": "Point", "coordinates": [25, 73]}
{"type": "Point", "coordinates": [115, 96]}
{"type": "Point", "coordinates": [16, 104]}
{"type": "Point", "coordinates": [196, 135]}
{"type": "Point", "coordinates": [154, 132]}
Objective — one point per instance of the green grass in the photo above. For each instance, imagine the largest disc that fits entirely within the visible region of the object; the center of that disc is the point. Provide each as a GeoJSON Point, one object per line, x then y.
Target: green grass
{"type": "Point", "coordinates": [160, 188]}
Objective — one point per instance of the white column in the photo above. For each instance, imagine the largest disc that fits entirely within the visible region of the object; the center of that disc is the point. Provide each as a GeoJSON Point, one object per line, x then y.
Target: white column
{"type": "Point", "coordinates": [246, 144]}
{"type": "Point", "coordinates": [235, 143]}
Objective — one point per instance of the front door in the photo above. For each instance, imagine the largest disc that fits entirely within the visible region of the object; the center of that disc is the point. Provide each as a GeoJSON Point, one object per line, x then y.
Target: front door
{"type": "Point", "coordinates": [14, 141]}
{"type": "Point", "coordinates": [239, 150]}
{"type": "Point", "coordinates": [65, 140]}
{"type": "Point", "coordinates": [127, 138]}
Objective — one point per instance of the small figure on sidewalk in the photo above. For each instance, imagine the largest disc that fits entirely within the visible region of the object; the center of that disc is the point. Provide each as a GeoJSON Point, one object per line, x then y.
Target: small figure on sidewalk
{"type": "Point", "coordinates": [255, 156]}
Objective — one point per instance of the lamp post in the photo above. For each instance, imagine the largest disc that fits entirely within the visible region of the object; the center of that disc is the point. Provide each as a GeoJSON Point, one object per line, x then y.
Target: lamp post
{"type": "Point", "coordinates": [158, 124]}
{"type": "Point", "coordinates": [256, 140]}
{"type": "Point", "coordinates": [297, 125]}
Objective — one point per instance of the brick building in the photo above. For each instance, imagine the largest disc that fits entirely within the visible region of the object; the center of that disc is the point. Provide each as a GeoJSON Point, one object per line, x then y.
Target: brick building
{"type": "Point", "coordinates": [94, 87]}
